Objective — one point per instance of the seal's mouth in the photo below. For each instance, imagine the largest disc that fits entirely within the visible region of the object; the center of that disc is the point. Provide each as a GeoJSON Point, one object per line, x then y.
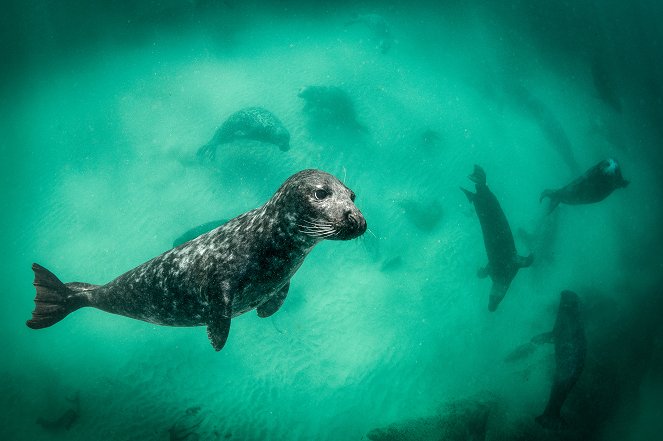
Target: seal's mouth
{"type": "Point", "coordinates": [353, 226]}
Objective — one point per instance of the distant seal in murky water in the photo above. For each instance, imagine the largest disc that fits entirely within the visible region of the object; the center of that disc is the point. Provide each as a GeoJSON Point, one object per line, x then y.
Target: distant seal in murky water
{"type": "Point", "coordinates": [503, 260]}
{"type": "Point", "coordinates": [330, 104]}
{"type": "Point", "coordinates": [253, 123]}
{"type": "Point", "coordinates": [378, 27]}
{"type": "Point", "coordinates": [594, 185]}
{"type": "Point", "coordinates": [244, 264]}
{"type": "Point", "coordinates": [67, 419]}
{"type": "Point", "coordinates": [568, 335]}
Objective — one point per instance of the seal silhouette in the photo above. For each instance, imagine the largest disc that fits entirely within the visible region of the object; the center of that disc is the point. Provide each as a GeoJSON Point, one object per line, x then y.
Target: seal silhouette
{"type": "Point", "coordinates": [568, 335]}
{"type": "Point", "coordinates": [243, 264]}
{"type": "Point", "coordinates": [594, 185]}
{"type": "Point", "coordinates": [503, 260]}
{"type": "Point", "coordinates": [255, 123]}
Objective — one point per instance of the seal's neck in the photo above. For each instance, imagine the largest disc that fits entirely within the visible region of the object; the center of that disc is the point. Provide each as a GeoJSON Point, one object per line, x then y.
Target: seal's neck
{"type": "Point", "coordinates": [283, 227]}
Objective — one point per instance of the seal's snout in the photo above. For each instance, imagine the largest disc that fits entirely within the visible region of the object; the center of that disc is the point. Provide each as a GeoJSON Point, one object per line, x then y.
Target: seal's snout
{"type": "Point", "coordinates": [352, 226]}
{"type": "Point", "coordinates": [356, 222]}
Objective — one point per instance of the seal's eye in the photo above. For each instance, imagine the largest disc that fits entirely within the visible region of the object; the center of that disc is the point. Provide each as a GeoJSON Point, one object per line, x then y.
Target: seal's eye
{"type": "Point", "coordinates": [320, 194]}
{"type": "Point", "coordinates": [352, 196]}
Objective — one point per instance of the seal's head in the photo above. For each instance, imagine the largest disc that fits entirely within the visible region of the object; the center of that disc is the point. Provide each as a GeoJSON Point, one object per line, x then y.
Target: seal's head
{"type": "Point", "coordinates": [320, 206]}
{"type": "Point", "coordinates": [568, 300]}
{"type": "Point", "coordinates": [282, 138]}
{"type": "Point", "coordinates": [610, 167]}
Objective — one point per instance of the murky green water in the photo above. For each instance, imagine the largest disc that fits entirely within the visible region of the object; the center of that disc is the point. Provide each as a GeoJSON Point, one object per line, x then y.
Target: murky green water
{"type": "Point", "coordinates": [104, 106]}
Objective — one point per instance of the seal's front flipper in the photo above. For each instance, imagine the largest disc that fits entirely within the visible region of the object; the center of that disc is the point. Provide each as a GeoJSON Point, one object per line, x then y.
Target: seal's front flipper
{"type": "Point", "coordinates": [207, 152]}
{"type": "Point", "coordinates": [551, 422]}
{"type": "Point", "coordinates": [546, 337]}
{"type": "Point", "coordinates": [524, 262]}
{"type": "Point", "coordinates": [554, 199]}
{"type": "Point", "coordinates": [520, 352]}
{"type": "Point", "coordinates": [218, 331]}
{"type": "Point", "coordinates": [272, 305]}
{"type": "Point", "coordinates": [484, 272]}
{"type": "Point", "coordinates": [469, 194]}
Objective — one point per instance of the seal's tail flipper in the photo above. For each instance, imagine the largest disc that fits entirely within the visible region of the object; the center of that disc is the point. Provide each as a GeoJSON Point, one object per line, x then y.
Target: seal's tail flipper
{"type": "Point", "coordinates": [546, 337]}
{"type": "Point", "coordinates": [524, 262]}
{"type": "Point", "coordinates": [54, 300]}
{"type": "Point", "coordinates": [554, 199]}
{"type": "Point", "coordinates": [497, 293]}
{"type": "Point", "coordinates": [478, 176]}
{"type": "Point", "coordinates": [207, 152]}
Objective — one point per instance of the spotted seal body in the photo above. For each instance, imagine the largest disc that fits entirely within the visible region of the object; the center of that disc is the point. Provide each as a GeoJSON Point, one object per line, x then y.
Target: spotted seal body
{"type": "Point", "coordinates": [594, 185]}
{"type": "Point", "coordinates": [568, 335]}
{"type": "Point", "coordinates": [253, 123]}
{"type": "Point", "coordinates": [503, 260]}
{"type": "Point", "coordinates": [244, 264]}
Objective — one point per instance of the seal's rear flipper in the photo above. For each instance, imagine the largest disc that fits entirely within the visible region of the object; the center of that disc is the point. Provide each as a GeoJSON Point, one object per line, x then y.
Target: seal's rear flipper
{"type": "Point", "coordinates": [520, 352]}
{"type": "Point", "coordinates": [546, 337]}
{"type": "Point", "coordinates": [554, 199]}
{"type": "Point", "coordinates": [524, 262]}
{"type": "Point", "coordinates": [54, 300]}
{"type": "Point", "coordinates": [478, 176]}
{"type": "Point", "coordinates": [218, 331]}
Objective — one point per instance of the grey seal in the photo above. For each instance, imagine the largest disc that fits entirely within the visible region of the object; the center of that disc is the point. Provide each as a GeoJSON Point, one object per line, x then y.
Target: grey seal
{"type": "Point", "coordinates": [378, 26]}
{"type": "Point", "coordinates": [67, 419]}
{"type": "Point", "coordinates": [503, 260]}
{"type": "Point", "coordinates": [568, 335]}
{"type": "Point", "coordinates": [255, 123]}
{"type": "Point", "coordinates": [243, 264]}
{"type": "Point", "coordinates": [594, 185]}
{"type": "Point", "coordinates": [330, 104]}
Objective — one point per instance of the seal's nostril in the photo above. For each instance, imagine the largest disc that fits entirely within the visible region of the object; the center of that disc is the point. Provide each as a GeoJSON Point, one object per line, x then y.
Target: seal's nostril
{"type": "Point", "coordinates": [352, 219]}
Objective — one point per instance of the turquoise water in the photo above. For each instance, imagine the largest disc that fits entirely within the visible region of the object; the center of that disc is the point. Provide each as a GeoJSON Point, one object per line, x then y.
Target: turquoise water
{"type": "Point", "coordinates": [104, 106]}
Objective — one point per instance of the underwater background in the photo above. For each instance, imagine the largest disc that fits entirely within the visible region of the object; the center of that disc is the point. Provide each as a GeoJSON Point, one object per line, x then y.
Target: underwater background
{"type": "Point", "coordinates": [104, 105]}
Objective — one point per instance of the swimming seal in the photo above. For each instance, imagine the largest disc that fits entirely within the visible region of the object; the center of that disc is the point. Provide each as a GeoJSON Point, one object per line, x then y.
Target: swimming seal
{"type": "Point", "coordinates": [253, 123]}
{"type": "Point", "coordinates": [378, 26]}
{"type": "Point", "coordinates": [568, 335]}
{"type": "Point", "coordinates": [503, 260]}
{"type": "Point", "coordinates": [594, 185]}
{"type": "Point", "coordinates": [244, 264]}
{"type": "Point", "coordinates": [330, 105]}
